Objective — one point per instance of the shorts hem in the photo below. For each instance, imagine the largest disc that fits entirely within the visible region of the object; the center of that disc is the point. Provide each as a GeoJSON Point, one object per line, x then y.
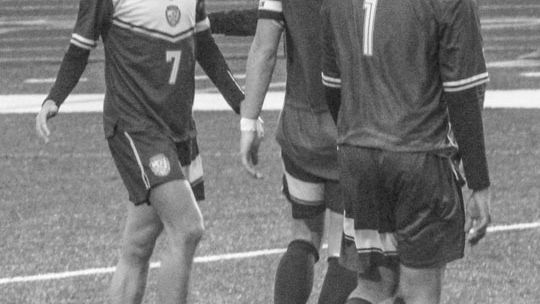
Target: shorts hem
{"type": "Point", "coordinates": [146, 200]}
{"type": "Point", "coordinates": [434, 263]}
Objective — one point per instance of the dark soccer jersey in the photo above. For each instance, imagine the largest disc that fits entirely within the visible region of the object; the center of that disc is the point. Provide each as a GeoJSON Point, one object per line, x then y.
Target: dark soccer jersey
{"type": "Point", "coordinates": [394, 60]}
{"type": "Point", "coordinates": [150, 60]}
{"type": "Point", "coordinates": [306, 132]}
{"type": "Point", "coordinates": [303, 48]}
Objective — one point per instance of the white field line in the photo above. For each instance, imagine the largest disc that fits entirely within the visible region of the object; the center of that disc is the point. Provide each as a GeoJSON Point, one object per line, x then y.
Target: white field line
{"type": "Point", "coordinates": [531, 74]}
{"type": "Point", "coordinates": [518, 63]}
{"type": "Point", "coordinates": [502, 48]}
{"type": "Point", "coordinates": [205, 101]}
{"type": "Point", "coordinates": [508, 6]}
{"type": "Point", "coordinates": [207, 259]}
{"type": "Point", "coordinates": [512, 227]}
{"type": "Point", "coordinates": [47, 80]}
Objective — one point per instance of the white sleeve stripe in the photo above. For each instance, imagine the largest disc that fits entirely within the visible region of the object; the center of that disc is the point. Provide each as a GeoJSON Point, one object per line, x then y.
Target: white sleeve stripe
{"type": "Point", "coordinates": [82, 39]}
{"type": "Point", "coordinates": [465, 81]}
{"type": "Point", "coordinates": [331, 85]}
{"type": "Point", "coordinates": [202, 25]}
{"type": "Point", "coordinates": [270, 5]}
{"type": "Point", "coordinates": [235, 82]}
{"type": "Point", "coordinates": [81, 45]}
{"type": "Point", "coordinates": [330, 79]}
{"type": "Point", "coordinates": [467, 86]}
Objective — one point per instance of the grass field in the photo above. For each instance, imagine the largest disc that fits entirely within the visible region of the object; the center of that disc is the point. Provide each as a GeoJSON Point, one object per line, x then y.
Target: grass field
{"type": "Point", "coordinates": [63, 203]}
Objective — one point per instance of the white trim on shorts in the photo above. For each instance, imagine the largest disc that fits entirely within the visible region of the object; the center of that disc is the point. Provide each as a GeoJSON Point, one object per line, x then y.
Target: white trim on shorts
{"type": "Point", "coordinates": [193, 172]}
{"type": "Point", "coordinates": [144, 177]}
{"type": "Point", "coordinates": [367, 240]}
{"type": "Point", "coordinates": [305, 193]}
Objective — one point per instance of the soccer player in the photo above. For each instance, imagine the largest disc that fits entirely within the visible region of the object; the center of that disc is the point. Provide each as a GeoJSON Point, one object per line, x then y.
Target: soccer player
{"type": "Point", "coordinates": [405, 70]}
{"type": "Point", "coordinates": [307, 136]}
{"type": "Point", "coordinates": [150, 53]}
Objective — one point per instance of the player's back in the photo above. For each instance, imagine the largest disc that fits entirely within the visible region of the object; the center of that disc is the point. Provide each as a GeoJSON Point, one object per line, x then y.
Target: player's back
{"type": "Point", "coordinates": [303, 49]}
{"type": "Point", "coordinates": [395, 59]}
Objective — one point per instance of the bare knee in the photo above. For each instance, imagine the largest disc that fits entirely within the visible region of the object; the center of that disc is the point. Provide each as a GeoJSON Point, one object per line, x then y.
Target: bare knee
{"type": "Point", "coordinates": [194, 233]}
{"type": "Point", "coordinates": [141, 232]}
{"type": "Point", "coordinates": [137, 251]}
{"type": "Point", "coordinates": [186, 237]}
{"type": "Point", "coordinates": [420, 286]}
{"type": "Point", "coordinates": [179, 212]}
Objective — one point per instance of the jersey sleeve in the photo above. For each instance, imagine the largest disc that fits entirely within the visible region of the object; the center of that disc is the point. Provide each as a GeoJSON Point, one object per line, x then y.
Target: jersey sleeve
{"type": "Point", "coordinates": [93, 18]}
{"type": "Point", "coordinates": [271, 9]}
{"type": "Point", "coordinates": [461, 57]}
{"type": "Point", "coordinates": [202, 23]}
{"type": "Point", "coordinates": [330, 69]}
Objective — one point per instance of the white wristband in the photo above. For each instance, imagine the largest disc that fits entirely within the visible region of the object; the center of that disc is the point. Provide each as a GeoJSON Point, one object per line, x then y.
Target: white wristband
{"type": "Point", "coordinates": [247, 124]}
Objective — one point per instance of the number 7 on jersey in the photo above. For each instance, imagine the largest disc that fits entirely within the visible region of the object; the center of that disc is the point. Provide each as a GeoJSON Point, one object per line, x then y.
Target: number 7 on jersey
{"type": "Point", "coordinates": [174, 57]}
{"type": "Point", "coordinates": [370, 8]}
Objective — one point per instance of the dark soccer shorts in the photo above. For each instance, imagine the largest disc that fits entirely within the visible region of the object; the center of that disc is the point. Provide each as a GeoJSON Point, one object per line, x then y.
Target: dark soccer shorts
{"type": "Point", "coordinates": [401, 207]}
{"type": "Point", "coordinates": [310, 195]}
{"type": "Point", "coordinates": [148, 158]}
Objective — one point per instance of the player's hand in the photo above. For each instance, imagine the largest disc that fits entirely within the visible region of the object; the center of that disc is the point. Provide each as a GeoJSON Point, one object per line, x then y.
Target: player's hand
{"type": "Point", "coordinates": [250, 142]}
{"type": "Point", "coordinates": [477, 215]}
{"type": "Point", "coordinates": [48, 110]}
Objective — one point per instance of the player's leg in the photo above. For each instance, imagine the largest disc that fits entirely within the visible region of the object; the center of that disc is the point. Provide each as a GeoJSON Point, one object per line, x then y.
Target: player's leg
{"type": "Point", "coordinates": [183, 223]}
{"type": "Point", "coordinates": [420, 285]}
{"type": "Point", "coordinates": [176, 205]}
{"type": "Point", "coordinates": [148, 164]}
{"type": "Point", "coordinates": [429, 223]}
{"type": "Point", "coordinates": [369, 246]}
{"type": "Point", "coordinates": [294, 275]}
{"type": "Point", "coordinates": [143, 226]}
{"type": "Point", "coordinates": [375, 286]}
{"type": "Point", "coordinates": [339, 281]}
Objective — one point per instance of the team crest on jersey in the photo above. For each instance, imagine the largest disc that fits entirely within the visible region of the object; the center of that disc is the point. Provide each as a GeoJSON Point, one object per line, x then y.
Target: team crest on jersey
{"type": "Point", "coordinates": [173, 15]}
{"type": "Point", "coordinates": [159, 164]}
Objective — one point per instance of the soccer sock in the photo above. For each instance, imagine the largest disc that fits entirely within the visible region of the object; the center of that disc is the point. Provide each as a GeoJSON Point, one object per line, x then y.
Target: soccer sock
{"type": "Point", "coordinates": [339, 282]}
{"type": "Point", "coordinates": [294, 276]}
{"type": "Point", "coordinates": [357, 301]}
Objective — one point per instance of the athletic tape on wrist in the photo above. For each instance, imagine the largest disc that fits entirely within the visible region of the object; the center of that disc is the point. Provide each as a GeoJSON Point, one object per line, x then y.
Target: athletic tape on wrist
{"type": "Point", "coordinates": [247, 124]}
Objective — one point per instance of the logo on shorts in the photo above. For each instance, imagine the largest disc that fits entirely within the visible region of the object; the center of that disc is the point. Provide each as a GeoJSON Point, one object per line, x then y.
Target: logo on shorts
{"type": "Point", "coordinates": [159, 164]}
{"type": "Point", "coordinates": [173, 15]}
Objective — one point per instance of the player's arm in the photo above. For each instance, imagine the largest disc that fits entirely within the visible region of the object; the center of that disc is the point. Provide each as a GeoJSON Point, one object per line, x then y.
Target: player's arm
{"type": "Point", "coordinates": [213, 63]}
{"type": "Point", "coordinates": [71, 69]}
{"type": "Point", "coordinates": [260, 65]}
{"type": "Point", "coordinates": [463, 72]}
{"type": "Point", "coordinates": [330, 69]}
{"type": "Point", "coordinates": [93, 17]}
{"type": "Point", "coordinates": [234, 22]}
{"type": "Point", "coordinates": [466, 118]}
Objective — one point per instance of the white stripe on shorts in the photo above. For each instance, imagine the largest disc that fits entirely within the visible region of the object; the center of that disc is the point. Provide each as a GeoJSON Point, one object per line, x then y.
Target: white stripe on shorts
{"type": "Point", "coordinates": [369, 240]}
{"type": "Point", "coordinates": [194, 171]}
{"type": "Point", "coordinates": [144, 177]}
{"type": "Point", "coordinates": [311, 193]}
